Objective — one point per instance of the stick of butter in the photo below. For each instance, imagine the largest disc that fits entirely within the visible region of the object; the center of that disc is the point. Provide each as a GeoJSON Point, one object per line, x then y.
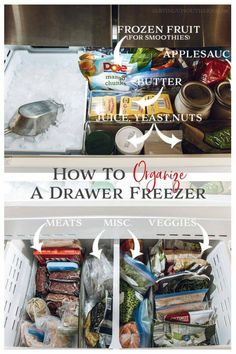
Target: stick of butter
{"type": "Point", "coordinates": [161, 106]}
{"type": "Point", "coordinates": [129, 107]}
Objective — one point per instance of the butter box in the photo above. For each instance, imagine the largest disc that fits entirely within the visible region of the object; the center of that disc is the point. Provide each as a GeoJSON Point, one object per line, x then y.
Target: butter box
{"type": "Point", "coordinates": [102, 106]}
{"type": "Point", "coordinates": [129, 107]}
{"type": "Point", "coordinates": [161, 106]}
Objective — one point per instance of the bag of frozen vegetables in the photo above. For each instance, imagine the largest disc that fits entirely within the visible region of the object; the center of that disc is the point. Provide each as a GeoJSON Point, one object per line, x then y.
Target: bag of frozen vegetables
{"type": "Point", "coordinates": [136, 274]}
{"type": "Point", "coordinates": [129, 301]}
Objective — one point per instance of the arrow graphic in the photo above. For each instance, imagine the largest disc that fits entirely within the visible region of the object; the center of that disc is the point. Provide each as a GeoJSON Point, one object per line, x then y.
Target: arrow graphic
{"type": "Point", "coordinates": [38, 245]}
{"type": "Point", "coordinates": [144, 103]}
{"type": "Point", "coordinates": [205, 244]}
{"type": "Point", "coordinates": [135, 141]}
{"type": "Point", "coordinates": [117, 56]}
{"type": "Point", "coordinates": [96, 251]}
{"type": "Point", "coordinates": [171, 141]}
{"type": "Point", "coordinates": [136, 251]}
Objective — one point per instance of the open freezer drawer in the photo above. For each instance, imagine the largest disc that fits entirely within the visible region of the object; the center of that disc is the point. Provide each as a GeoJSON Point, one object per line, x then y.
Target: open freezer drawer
{"type": "Point", "coordinates": [35, 74]}
{"type": "Point", "coordinates": [218, 256]}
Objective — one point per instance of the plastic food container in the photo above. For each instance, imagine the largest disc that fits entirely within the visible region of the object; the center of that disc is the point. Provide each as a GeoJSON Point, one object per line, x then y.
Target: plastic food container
{"type": "Point", "coordinates": [221, 108]}
{"type": "Point", "coordinates": [194, 98]}
{"type": "Point", "coordinates": [123, 145]}
{"type": "Point", "coordinates": [99, 142]}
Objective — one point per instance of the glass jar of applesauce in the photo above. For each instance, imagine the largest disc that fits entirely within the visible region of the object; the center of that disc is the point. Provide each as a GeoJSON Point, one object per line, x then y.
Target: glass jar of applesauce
{"type": "Point", "coordinates": [221, 108]}
{"type": "Point", "coordinates": [194, 98]}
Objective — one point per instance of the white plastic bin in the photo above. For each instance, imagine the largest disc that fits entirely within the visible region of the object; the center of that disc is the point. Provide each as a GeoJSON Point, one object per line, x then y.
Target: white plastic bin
{"type": "Point", "coordinates": [20, 269]}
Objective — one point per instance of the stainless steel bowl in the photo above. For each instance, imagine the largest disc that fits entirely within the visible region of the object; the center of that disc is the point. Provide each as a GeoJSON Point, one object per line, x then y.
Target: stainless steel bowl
{"type": "Point", "coordinates": [34, 118]}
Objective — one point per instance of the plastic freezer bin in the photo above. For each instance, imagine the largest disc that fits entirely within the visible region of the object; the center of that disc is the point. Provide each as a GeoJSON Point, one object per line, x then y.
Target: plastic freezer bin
{"type": "Point", "coordinates": [20, 270]}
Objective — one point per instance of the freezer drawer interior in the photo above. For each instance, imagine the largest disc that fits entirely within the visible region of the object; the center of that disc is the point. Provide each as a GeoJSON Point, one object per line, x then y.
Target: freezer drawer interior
{"type": "Point", "coordinates": [21, 267]}
{"type": "Point", "coordinates": [20, 287]}
{"type": "Point", "coordinates": [27, 76]}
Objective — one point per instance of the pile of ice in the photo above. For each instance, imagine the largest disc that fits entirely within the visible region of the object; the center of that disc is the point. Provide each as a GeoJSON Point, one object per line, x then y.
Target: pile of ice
{"type": "Point", "coordinates": [35, 77]}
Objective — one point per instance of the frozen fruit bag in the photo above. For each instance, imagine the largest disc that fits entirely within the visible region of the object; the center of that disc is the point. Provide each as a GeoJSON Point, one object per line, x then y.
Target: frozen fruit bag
{"type": "Point", "coordinates": [136, 274]}
{"type": "Point", "coordinates": [103, 73]}
{"type": "Point", "coordinates": [129, 301]}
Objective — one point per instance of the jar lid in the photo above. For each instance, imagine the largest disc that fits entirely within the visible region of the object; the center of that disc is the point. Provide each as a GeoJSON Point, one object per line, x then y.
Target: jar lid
{"type": "Point", "coordinates": [122, 143]}
{"type": "Point", "coordinates": [196, 94]}
{"type": "Point", "coordinates": [223, 93]}
{"type": "Point", "coordinates": [99, 142]}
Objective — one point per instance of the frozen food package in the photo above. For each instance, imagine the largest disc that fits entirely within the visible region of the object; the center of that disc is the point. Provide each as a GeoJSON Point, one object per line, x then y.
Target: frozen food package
{"type": "Point", "coordinates": [157, 259]}
{"type": "Point", "coordinates": [211, 71]}
{"type": "Point", "coordinates": [64, 288]}
{"type": "Point", "coordinates": [62, 266]}
{"type": "Point", "coordinates": [182, 245]}
{"type": "Point", "coordinates": [130, 108]}
{"type": "Point", "coordinates": [41, 281]}
{"type": "Point", "coordinates": [129, 301]}
{"type": "Point", "coordinates": [65, 276]}
{"type": "Point", "coordinates": [161, 106]}
{"type": "Point", "coordinates": [69, 314]}
{"type": "Point", "coordinates": [56, 301]}
{"type": "Point", "coordinates": [103, 73]}
{"type": "Point", "coordinates": [102, 106]}
{"type": "Point", "coordinates": [136, 274]}
{"type": "Point", "coordinates": [36, 307]}
{"type": "Point", "coordinates": [180, 282]}
{"type": "Point", "coordinates": [176, 255]}
{"type": "Point", "coordinates": [37, 333]}
{"type": "Point", "coordinates": [91, 338]}
{"type": "Point", "coordinates": [143, 319]}
{"type": "Point", "coordinates": [191, 317]}
{"type": "Point", "coordinates": [129, 335]}
{"type": "Point", "coordinates": [58, 255]}
{"type": "Point", "coordinates": [161, 312]}
{"type": "Point", "coordinates": [191, 264]}
{"type": "Point", "coordinates": [53, 337]}
{"type": "Point", "coordinates": [101, 316]}
{"type": "Point", "coordinates": [28, 339]}
{"type": "Point", "coordinates": [209, 136]}
{"type": "Point", "coordinates": [166, 334]}
{"type": "Point", "coordinates": [61, 244]}
{"type": "Point", "coordinates": [97, 277]}
{"type": "Point", "coordinates": [162, 300]}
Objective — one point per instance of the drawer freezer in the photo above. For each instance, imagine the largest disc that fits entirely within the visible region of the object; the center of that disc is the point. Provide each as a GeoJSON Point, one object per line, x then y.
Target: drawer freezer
{"type": "Point", "coordinates": [33, 74]}
{"type": "Point", "coordinates": [21, 267]}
